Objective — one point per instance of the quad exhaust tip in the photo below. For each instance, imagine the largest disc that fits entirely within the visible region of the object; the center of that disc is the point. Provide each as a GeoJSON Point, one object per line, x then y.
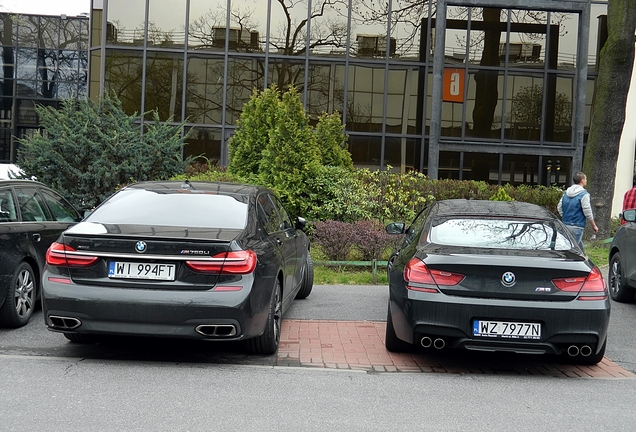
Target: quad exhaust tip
{"type": "Point", "coordinates": [64, 323]}
{"type": "Point", "coordinates": [216, 330]}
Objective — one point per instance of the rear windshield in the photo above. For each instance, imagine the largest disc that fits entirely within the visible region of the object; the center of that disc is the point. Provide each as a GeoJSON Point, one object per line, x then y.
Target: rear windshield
{"type": "Point", "coordinates": [500, 233]}
{"type": "Point", "coordinates": [173, 208]}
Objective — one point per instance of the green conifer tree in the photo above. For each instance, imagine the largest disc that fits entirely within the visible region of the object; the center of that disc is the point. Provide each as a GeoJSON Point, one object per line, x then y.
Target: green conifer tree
{"type": "Point", "coordinates": [87, 150]}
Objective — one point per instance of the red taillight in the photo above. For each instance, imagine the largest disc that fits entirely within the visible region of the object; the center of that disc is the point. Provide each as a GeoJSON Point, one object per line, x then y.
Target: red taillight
{"type": "Point", "coordinates": [65, 281]}
{"type": "Point", "coordinates": [592, 283]}
{"type": "Point", "coordinates": [235, 262]}
{"type": "Point", "coordinates": [60, 254]}
{"type": "Point", "coordinates": [416, 272]}
{"type": "Point", "coordinates": [225, 288]}
{"type": "Point", "coordinates": [572, 284]}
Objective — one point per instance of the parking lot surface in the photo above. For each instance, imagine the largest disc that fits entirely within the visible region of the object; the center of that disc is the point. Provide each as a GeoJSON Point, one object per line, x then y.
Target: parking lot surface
{"type": "Point", "coordinates": [360, 345]}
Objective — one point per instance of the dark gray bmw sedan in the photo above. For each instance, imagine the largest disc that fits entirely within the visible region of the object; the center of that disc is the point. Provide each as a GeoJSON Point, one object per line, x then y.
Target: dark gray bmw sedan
{"type": "Point", "coordinates": [495, 276]}
{"type": "Point", "coordinates": [200, 260]}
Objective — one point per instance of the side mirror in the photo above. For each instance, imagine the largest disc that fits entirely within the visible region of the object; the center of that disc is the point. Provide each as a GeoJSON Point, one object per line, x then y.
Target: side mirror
{"type": "Point", "coordinates": [396, 228]}
{"type": "Point", "coordinates": [629, 215]}
{"type": "Point", "coordinates": [301, 223]}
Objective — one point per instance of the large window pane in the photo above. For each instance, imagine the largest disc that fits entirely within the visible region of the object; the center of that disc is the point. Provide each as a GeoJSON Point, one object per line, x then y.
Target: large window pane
{"type": "Point", "coordinates": [285, 73]}
{"type": "Point", "coordinates": [288, 29]}
{"type": "Point", "coordinates": [481, 167]}
{"type": "Point", "coordinates": [27, 26]}
{"type": "Point", "coordinates": [483, 104]}
{"type": "Point", "coordinates": [520, 169]}
{"type": "Point", "coordinates": [204, 143]}
{"type": "Point", "coordinates": [403, 154]}
{"type": "Point", "coordinates": [244, 76]}
{"type": "Point", "coordinates": [320, 88]}
{"type": "Point", "coordinates": [365, 98]}
{"type": "Point", "coordinates": [365, 151]}
{"type": "Point", "coordinates": [369, 38]}
{"type": "Point", "coordinates": [126, 22]}
{"type": "Point", "coordinates": [328, 28]}
{"type": "Point", "coordinates": [123, 78]}
{"type": "Point", "coordinates": [449, 165]}
{"type": "Point", "coordinates": [27, 62]}
{"type": "Point", "coordinates": [208, 25]}
{"type": "Point", "coordinates": [205, 90]}
{"type": "Point", "coordinates": [166, 23]}
{"type": "Point", "coordinates": [164, 85]}
{"type": "Point", "coordinates": [524, 103]}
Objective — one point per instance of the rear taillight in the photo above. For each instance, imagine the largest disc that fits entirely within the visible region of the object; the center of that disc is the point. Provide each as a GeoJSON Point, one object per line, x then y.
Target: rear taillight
{"type": "Point", "coordinates": [60, 254]}
{"type": "Point", "coordinates": [416, 273]}
{"type": "Point", "coordinates": [235, 262]}
{"type": "Point", "coordinates": [590, 284]}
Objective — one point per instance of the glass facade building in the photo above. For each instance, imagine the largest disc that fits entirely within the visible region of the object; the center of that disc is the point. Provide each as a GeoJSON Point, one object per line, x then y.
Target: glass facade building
{"type": "Point", "coordinates": [464, 89]}
{"type": "Point", "coordinates": [44, 60]}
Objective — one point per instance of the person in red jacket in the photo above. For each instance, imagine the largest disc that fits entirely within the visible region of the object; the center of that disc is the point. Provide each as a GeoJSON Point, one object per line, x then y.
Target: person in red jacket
{"type": "Point", "coordinates": [629, 200]}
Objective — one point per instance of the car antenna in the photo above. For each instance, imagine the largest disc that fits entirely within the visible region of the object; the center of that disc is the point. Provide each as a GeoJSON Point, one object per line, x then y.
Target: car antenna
{"type": "Point", "coordinates": [186, 185]}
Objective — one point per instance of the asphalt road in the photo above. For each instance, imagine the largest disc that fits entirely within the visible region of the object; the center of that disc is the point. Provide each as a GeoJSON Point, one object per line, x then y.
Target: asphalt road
{"type": "Point", "coordinates": [47, 383]}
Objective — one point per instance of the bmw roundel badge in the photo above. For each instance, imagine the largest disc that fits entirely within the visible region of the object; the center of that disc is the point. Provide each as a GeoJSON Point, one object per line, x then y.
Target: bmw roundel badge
{"type": "Point", "coordinates": [508, 279]}
{"type": "Point", "coordinates": [141, 246]}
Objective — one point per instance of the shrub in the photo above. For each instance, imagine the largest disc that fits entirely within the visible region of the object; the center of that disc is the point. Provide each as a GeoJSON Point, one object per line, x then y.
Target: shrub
{"type": "Point", "coordinates": [501, 195]}
{"type": "Point", "coordinates": [334, 238]}
{"type": "Point", "coordinates": [332, 141]}
{"type": "Point", "coordinates": [372, 240]}
{"type": "Point", "coordinates": [339, 194]}
{"type": "Point", "coordinates": [90, 149]}
{"type": "Point", "coordinates": [252, 133]}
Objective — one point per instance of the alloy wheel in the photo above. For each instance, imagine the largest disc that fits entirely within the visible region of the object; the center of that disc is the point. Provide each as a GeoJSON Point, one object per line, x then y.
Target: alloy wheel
{"type": "Point", "coordinates": [24, 293]}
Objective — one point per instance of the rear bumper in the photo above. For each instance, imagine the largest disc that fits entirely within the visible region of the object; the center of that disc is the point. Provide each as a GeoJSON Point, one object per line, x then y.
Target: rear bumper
{"type": "Point", "coordinates": [438, 316]}
{"type": "Point", "coordinates": [83, 309]}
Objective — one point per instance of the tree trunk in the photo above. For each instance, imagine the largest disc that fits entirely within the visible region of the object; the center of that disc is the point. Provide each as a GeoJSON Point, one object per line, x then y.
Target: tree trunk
{"type": "Point", "coordinates": [615, 69]}
{"type": "Point", "coordinates": [486, 94]}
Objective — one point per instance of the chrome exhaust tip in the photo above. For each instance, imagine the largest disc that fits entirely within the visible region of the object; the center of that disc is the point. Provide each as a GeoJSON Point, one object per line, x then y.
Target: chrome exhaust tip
{"type": "Point", "coordinates": [586, 351]}
{"type": "Point", "coordinates": [64, 323]}
{"type": "Point", "coordinates": [573, 351]}
{"type": "Point", "coordinates": [439, 343]}
{"type": "Point", "coordinates": [426, 342]}
{"type": "Point", "coordinates": [216, 330]}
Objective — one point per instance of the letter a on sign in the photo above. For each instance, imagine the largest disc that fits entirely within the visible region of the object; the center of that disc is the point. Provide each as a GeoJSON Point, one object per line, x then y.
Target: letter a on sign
{"type": "Point", "coordinates": [453, 85]}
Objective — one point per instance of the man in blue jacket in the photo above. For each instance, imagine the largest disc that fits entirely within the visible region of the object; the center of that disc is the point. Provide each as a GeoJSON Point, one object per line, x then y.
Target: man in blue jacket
{"type": "Point", "coordinates": [575, 208]}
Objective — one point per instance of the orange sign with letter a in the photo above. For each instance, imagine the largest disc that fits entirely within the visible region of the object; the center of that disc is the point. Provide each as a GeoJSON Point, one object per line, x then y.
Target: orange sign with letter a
{"type": "Point", "coordinates": [453, 85]}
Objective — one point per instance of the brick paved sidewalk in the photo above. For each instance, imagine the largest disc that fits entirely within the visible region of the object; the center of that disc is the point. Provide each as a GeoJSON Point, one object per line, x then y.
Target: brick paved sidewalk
{"type": "Point", "coordinates": [360, 345]}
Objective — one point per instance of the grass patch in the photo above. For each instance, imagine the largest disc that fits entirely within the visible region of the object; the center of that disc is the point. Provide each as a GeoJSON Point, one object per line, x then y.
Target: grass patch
{"type": "Point", "coordinates": [329, 275]}
{"type": "Point", "coordinates": [598, 254]}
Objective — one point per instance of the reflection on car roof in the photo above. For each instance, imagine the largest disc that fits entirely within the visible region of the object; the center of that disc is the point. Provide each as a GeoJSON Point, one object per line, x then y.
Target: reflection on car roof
{"type": "Point", "coordinates": [456, 207]}
{"type": "Point", "coordinates": [228, 188]}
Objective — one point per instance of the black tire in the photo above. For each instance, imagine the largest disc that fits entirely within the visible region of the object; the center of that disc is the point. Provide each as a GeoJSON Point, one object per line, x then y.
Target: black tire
{"type": "Point", "coordinates": [592, 359]}
{"type": "Point", "coordinates": [391, 341]}
{"type": "Point", "coordinates": [267, 343]}
{"type": "Point", "coordinates": [308, 279]}
{"type": "Point", "coordinates": [619, 289]}
{"type": "Point", "coordinates": [80, 338]}
{"type": "Point", "coordinates": [20, 299]}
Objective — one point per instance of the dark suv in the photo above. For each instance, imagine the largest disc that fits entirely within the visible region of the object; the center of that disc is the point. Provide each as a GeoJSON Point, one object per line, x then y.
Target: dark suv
{"type": "Point", "coordinates": [32, 216]}
{"type": "Point", "coordinates": [622, 260]}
